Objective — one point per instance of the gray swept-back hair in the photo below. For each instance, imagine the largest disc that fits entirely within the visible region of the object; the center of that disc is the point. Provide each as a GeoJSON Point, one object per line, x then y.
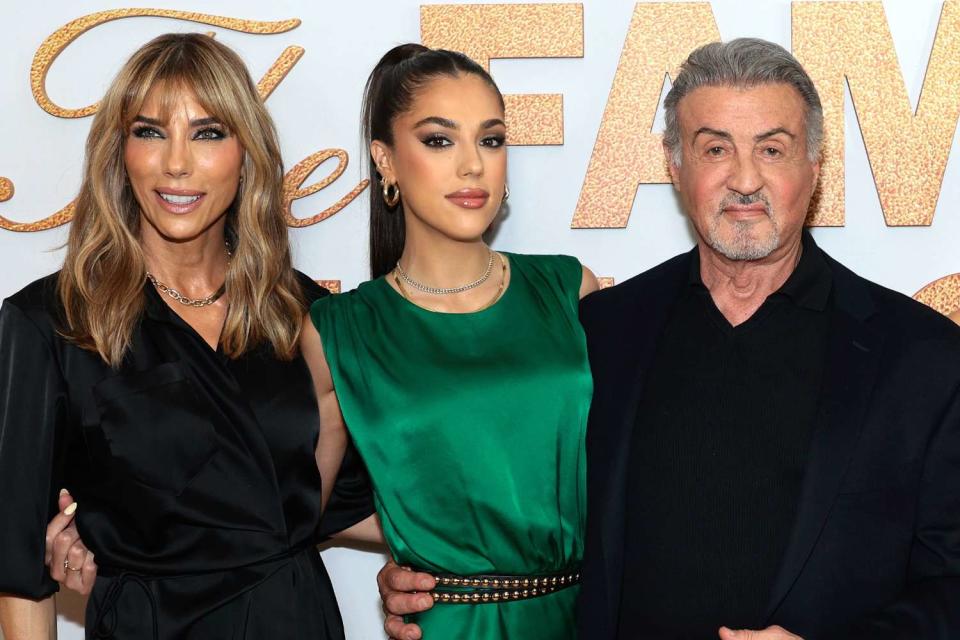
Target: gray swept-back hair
{"type": "Point", "coordinates": [742, 63]}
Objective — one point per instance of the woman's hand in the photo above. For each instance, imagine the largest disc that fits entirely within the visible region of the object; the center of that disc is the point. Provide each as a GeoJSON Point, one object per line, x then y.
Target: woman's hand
{"type": "Point", "coordinates": [71, 563]}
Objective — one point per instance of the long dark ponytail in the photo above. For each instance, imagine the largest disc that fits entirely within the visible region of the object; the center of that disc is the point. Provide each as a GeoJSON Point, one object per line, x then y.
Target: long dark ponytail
{"type": "Point", "coordinates": [390, 91]}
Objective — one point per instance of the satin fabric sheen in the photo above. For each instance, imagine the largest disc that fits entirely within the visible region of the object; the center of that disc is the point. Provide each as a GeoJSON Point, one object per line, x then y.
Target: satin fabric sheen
{"type": "Point", "coordinates": [195, 475]}
{"type": "Point", "coordinates": [472, 426]}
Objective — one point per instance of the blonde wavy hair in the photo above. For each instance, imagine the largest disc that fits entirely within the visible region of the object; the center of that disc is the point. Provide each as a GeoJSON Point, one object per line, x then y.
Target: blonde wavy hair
{"type": "Point", "coordinates": [101, 283]}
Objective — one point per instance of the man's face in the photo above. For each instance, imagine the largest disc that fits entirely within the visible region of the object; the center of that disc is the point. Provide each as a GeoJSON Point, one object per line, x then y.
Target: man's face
{"type": "Point", "coordinates": [745, 178]}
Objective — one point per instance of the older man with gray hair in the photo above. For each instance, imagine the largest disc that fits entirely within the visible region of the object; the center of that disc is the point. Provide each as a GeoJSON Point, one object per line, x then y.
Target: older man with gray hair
{"type": "Point", "coordinates": [774, 442]}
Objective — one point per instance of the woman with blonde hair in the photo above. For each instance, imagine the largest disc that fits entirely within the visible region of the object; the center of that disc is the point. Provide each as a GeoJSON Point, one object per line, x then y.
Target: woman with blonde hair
{"type": "Point", "coordinates": [158, 376]}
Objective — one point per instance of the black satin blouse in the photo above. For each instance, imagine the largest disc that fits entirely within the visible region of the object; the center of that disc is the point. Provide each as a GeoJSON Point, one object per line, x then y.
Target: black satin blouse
{"type": "Point", "coordinates": [195, 476]}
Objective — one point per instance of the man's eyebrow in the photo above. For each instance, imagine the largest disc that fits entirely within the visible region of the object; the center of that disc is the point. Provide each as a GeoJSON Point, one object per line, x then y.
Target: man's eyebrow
{"type": "Point", "coordinates": [773, 132]}
{"type": "Point", "coordinates": [443, 122]}
{"type": "Point", "coordinates": [712, 132]}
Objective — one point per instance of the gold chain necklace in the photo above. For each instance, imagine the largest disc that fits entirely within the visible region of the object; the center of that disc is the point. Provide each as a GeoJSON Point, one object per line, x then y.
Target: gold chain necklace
{"type": "Point", "coordinates": [191, 302]}
{"type": "Point", "coordinates": [182, 299]}
{"type": "Point", "coordinates": [493, 300]}
{"type": "Point", "coordinates": [442, 291]}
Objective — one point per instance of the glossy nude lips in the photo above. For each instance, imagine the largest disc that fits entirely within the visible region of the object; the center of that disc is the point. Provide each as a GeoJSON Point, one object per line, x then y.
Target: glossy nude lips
{"type": "Point", "coordinates": [469, 198]}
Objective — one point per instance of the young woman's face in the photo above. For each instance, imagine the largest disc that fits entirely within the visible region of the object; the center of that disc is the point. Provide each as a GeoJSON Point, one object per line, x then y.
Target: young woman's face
{"type": "Point", "coordinates": [184, 170]}
{"type": "Point", "coordinates": [448, 157]}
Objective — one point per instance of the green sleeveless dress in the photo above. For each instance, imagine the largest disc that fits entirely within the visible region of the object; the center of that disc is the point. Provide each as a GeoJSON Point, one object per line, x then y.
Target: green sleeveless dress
{"type": "Point", "coordinates": [472, 427]}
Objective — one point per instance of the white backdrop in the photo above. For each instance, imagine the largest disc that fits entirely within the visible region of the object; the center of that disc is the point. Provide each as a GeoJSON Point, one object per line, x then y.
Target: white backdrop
{"type": "Point", "coordinates": [317, 107]}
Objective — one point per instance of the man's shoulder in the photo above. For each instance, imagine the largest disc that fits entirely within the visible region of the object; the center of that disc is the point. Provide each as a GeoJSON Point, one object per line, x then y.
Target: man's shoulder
{"type": "Point", "coordinates": [895, 315]}
{"type": "Point", "coordinates": [656, 285]}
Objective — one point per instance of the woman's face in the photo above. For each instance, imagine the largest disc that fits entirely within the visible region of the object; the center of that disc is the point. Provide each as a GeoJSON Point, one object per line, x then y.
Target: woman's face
{"type": "Point", "coordinates": [448, 157]}
{"type": "Point", "coordinates": [184, 170]}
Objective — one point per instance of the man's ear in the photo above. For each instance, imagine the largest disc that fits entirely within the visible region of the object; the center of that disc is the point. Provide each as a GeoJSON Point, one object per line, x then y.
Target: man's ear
{"type": "Point", "coordinates": [383, 159]}
{"type": "Point", "coordinates": [816, 176]}
{"type": "Point", "coordinates": [671, 167]}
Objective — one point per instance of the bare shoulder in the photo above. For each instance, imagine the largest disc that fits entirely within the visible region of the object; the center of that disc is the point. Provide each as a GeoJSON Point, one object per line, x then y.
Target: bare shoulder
{"type": "Point", "coordinates": [588, 283]}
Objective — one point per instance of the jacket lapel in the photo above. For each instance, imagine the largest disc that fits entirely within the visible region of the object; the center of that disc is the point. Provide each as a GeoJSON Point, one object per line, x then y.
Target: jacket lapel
{"type": "Point", "coordinates": [850, 371]}
{"type": "Point", "coordinates": [618, 392]}
{"type": "Point", "coordinates": [613, 508]}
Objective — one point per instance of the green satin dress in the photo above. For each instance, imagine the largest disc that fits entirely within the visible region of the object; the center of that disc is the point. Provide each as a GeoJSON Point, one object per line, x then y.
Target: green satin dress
{"type": "Point", "coordinates": [472, 426]}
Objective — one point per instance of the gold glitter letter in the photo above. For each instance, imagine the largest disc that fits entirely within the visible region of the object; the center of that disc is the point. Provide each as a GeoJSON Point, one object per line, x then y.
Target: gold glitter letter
{"type": "Point", "coordinates": [279, 70]}
{"type": "Point", "coordinates": [60, 39]}
{"type": "Point", "coordinates": [908, 153]}
{"type": "Point", "coordinates": [299, 173]}
{"type": "Point", "coordinates": [942, 295]}
{"type": "Point", "coordinates": [627, 154]}
{"type": "Point", "coordinates": [333, 286]}
{"type": "Point", "coordinates": [486, 31]}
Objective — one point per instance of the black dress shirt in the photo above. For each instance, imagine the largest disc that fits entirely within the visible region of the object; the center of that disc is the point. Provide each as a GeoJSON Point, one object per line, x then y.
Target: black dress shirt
{"type": "Point", "coordinates": [717, 457]}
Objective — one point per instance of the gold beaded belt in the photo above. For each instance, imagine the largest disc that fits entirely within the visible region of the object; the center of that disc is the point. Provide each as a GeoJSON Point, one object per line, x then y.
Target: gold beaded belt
{"type": "Point", "coordinates": [478, 589]}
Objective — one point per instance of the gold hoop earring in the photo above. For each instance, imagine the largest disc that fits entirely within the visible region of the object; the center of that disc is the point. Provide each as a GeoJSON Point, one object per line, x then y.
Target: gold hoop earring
{"type": "Point", "coordinates": [391, 193]}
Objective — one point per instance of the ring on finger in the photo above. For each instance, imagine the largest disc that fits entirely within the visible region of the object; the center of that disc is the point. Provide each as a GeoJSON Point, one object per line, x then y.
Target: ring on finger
{"type": "Point", "coordinates": [66, 565]}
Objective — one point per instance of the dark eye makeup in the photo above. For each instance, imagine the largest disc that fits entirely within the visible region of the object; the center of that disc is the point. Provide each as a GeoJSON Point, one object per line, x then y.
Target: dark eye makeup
{"type": "Point", "coordinates": [436, 140]}
{"type": "Point", "coordinates": [494, 141]}
{"type": "Point", "coordinates": [145, 131]}
{"type": "Point", "coordinates": [213, 132]}
{"type": "Point", "coordinates": [439, 140]}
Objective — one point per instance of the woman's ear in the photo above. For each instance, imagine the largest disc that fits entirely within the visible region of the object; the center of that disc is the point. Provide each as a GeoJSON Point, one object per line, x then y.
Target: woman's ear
{"type": "Point", "coordinates": [383, 159]}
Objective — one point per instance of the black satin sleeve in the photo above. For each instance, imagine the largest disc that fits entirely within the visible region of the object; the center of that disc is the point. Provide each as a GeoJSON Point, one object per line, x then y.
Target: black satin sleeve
{"type": "Point", "coordinates": [33, 405]}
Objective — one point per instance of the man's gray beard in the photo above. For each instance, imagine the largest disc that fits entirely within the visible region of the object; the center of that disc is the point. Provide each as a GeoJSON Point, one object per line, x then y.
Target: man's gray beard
{"type": "Point", "coordinates": [743, 246]}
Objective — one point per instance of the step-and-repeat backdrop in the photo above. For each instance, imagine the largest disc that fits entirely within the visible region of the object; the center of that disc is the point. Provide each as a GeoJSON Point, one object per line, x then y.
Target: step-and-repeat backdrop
{"type": "Point", "coordinates": [584, 84]}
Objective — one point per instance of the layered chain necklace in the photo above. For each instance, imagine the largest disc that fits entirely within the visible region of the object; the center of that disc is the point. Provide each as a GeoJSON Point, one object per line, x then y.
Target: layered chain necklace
{"type": "Point", "coordinates": [184, 300]}
{"type": "Point", "coordinates": [443, 291]}
{"type": "Point", "coordinates": [399, 276]}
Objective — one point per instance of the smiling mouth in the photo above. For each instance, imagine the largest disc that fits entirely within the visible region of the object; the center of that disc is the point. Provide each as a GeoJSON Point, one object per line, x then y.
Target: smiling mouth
{"type": "Point", "coordinates": [178, 200]}
{"type": "Point", "coordinates": [179, 203]}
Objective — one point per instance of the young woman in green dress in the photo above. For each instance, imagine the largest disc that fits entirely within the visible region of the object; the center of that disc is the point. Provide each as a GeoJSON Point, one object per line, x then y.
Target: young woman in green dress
{"type": "Point", "coordinates": [460, 372]}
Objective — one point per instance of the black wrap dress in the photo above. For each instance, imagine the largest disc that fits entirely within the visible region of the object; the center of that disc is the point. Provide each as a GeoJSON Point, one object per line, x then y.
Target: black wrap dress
{"type": "Point", "coordinates": [195, 475]}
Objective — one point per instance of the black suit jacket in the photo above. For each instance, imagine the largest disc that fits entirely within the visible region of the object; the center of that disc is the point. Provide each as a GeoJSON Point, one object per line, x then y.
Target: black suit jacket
{"type": "Point", "coordinates": [875, 550]}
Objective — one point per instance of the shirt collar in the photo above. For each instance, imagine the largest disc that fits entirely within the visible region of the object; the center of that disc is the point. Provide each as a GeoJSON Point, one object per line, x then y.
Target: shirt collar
{"type": "Point", "coordinates": [808, 286]}
{"type": "Point", "coordinates": [155, 308]}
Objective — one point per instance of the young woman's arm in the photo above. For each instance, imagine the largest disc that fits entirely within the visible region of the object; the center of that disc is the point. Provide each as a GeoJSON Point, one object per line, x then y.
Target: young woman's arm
{"type": "Point", "coordinates": [333, 432]}
{"type": "Point", "coordinates": [589, 283]}
{"type": "Point", "coordinates": [367, 531]}
{"type": "Point", "coordinates": [24, 619]}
